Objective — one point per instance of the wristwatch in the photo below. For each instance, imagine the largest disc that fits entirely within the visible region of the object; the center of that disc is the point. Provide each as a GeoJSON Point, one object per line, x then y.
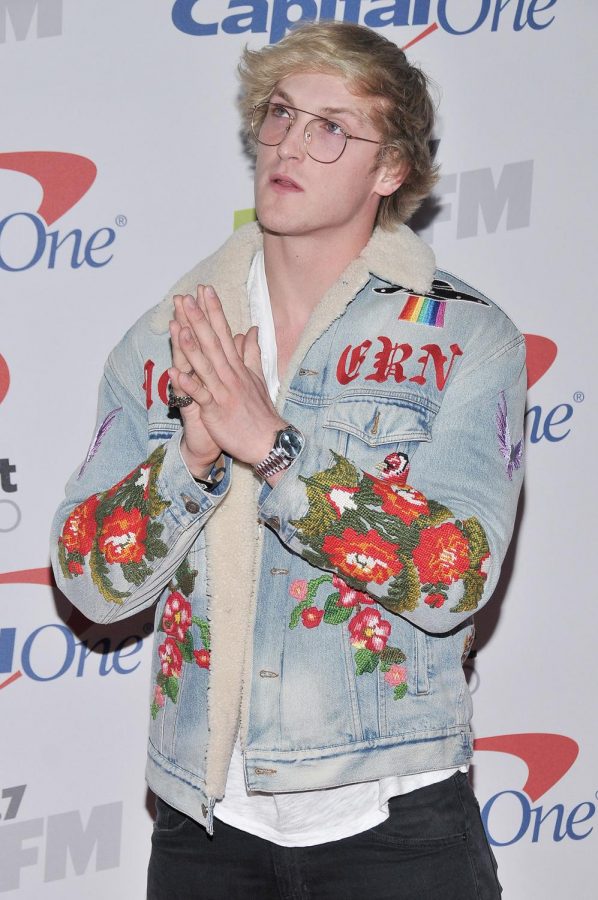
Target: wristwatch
{"type": "Point", "coordinates": [288, 444]}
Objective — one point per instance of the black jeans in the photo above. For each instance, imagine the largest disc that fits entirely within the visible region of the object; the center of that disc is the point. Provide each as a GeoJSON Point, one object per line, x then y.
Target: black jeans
{"type": "Point", "coordinates": [431, 847]}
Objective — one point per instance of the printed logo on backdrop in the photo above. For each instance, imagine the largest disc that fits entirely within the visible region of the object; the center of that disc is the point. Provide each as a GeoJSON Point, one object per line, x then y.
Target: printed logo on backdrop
{"type": "Point", "coordinates": [52, 651]}
{"type": "Point", "coordinates": [25, 19]}
{"type": "Point", "coordinates": [551, 424]}
{"type": "Point", "coordinates": [59, 845]}
{"type": "Point", "coordinates": [514, 815]}
{"type": "Point", "coordinates": [417, 19]}
{"type": "Point", "coordinates": [478, 201]}
{"type": "Point", "coordinates": [25, 238]}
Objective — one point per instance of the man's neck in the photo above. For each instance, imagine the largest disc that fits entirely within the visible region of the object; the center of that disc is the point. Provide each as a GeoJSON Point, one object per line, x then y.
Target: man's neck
{"type": "Point", "coordinates": [300, 269]}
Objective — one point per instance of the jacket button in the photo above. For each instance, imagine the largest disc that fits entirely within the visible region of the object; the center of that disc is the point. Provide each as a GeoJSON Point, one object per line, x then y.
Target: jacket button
{"type": "Point", "coordinates": [192, 506]}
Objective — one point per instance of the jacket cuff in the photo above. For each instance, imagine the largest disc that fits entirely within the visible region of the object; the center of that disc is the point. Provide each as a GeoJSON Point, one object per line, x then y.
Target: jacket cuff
{"type": "Point", "coordinates": [188, 500]}
{"type": "Point", "coordinates": [287, 500]}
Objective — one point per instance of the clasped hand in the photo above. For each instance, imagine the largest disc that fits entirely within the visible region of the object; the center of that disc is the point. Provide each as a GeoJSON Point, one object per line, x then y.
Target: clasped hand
{"type": "Point", "coordinates": [224, 376]}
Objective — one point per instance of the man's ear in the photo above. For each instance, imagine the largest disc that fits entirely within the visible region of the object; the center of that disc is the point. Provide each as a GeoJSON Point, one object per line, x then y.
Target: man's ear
{"type": "Point", "coordinates": [392, 175]}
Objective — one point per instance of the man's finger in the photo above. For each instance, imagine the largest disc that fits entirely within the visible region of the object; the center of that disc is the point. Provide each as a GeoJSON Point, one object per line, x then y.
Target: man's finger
{"type": "Point", "coordinates": [178, 357]}
{"type": "Point", "coordinates": [219, 322]}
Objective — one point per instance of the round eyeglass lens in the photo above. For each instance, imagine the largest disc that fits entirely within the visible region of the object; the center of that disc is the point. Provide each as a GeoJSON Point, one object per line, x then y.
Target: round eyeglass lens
{"type": "Point", "coordinates": [324, 140]}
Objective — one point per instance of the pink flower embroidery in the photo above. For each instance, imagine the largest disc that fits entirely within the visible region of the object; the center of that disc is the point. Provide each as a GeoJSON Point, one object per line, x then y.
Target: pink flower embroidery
{"type": "Point", "coordinates": [298, 589]}
{"type": "Point", "coordinates": [159, 698]}
{"type": "Point", "coordinates": [171, 660]}
{"type": "Point", "coordinates": [396, 675]}
{"type": "Point", "coordinates": [348, 596]}
{"type": "Point", "coordinates": [369, 630]}
{"type": "Point", "coordinates": [176, 617]}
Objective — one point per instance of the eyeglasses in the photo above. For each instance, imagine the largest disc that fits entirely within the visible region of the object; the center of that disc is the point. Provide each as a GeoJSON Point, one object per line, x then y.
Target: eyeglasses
{"type": "Point", "coordinates": [325, 141]}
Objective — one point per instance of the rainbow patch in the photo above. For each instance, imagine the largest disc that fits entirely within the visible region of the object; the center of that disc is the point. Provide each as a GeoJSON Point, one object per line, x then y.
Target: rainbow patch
{"type": "Point", "coordinates": [424, 310]}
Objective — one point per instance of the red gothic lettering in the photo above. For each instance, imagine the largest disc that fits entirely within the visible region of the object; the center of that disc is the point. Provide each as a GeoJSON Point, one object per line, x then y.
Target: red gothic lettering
{"type": "Point", "coordinates": [386, 365]}
{"type": "Point", "coordinates": [346, 373]}
{"type": "Point", "coordinates": [147, 382]}
{"type": "Point", "coordinates": [434, 352]}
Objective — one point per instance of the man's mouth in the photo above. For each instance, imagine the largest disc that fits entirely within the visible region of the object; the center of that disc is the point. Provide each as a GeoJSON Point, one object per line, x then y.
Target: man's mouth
{"type": "Point", "coordinates": [283, 182]}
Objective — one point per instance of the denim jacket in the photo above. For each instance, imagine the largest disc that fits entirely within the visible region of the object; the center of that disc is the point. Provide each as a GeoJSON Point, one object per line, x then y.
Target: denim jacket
{"type": "Point", "coordinates": [327, 618]}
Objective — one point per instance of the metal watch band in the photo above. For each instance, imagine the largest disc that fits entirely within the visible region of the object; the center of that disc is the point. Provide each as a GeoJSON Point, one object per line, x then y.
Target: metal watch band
{"type": "Point", "coordinates": [275, 461]}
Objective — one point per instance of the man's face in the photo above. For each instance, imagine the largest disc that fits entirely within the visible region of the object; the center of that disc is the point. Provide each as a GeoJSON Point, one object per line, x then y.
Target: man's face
{"type": "Point", "coordinates": [295, 194]}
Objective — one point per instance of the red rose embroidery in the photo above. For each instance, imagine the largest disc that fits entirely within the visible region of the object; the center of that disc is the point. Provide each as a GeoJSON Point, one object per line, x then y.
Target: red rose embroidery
{"type": "Point", "coordinates": [367, 557]}
{"type": "Point", "coordinates": [369, 630]}
{"type": "Point", "coordinates": [123, 535]}
{"type": "Point", "coordinates": [442, 555]}
{"type": "Point", "coordinates": [170, 658]}
{"type": "Point", "coordinates": [176, 617]}
{"type": "Point", "coordinates": [80, 527]}
{"type": "Point", "coordinates": [404, 502]}
{"type": "Point", "coordinates": [348, 596]}
{"type": "Point", "coordinates": [75, 568]}
{"type": "Point", "coordinates": [435, 600]}
{"type": "Point", "coordinates": [202, 658]}
{"type": "Point", "coordinates": [312, 616]}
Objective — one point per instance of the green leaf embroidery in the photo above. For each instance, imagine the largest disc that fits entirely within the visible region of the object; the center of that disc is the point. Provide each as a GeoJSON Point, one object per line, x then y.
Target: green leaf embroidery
{"type": "Point", "coordinates": [400, 691]}
{"type": "Point", "coordinates": [474, 588]}
{"type": "Point", "coordinates": [297, 610]}
{"type": "Point", "coordinates": [392, 656]}
{"type": "Point", "coordinates": [478, 543]}
{"type": "Point", "coordinates": [186, 647]}
{"type": "Point", "coordinates": [335, 615]}
{"type": "Point", "coordinates": [184, 578]}
{"type": "Point", "coordinates": [98, 569]}
{"type": "Point", "coordinates": [171, 688]}
{"type": "Point", "coordinates": [204, 630]}
{"type": "Point", "coordinates": [404, 590]}
{"type": "Point", "coordinates": [136, 573]}
{"type": "Point", "coordinates": [366, 661]}
{"type": "Point", "coordinates": [321, 514]}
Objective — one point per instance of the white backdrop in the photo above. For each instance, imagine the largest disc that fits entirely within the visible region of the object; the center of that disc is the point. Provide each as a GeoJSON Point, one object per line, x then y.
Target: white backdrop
{"type": "Point", "coordinates": [145, 91]}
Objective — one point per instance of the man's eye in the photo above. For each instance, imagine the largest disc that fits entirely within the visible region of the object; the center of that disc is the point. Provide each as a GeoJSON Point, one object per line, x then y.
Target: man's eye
{"type": "Point", "coordinates": [279, 112]}
{"type": "Point", "coordinates": [331, 127]}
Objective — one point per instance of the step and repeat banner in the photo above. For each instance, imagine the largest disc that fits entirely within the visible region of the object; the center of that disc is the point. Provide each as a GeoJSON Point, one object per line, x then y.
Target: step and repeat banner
{"type": "Point", "coordinates": [121, 165]}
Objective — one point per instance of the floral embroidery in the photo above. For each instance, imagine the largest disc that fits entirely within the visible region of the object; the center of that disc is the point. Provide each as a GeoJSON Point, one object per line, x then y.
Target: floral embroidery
{"type": "Point", "coordinates": [366, 557]}
{"type": "Point", "coordinates": [377, 529]}
{"type": "Point", "coordinates": [122, 536]}
{"type": "Point", "coordinates": [368, 631]}
{"type": "Point", "coordinates": [178, 646]}
{"type": "Point", "coordinates": [117, 527]}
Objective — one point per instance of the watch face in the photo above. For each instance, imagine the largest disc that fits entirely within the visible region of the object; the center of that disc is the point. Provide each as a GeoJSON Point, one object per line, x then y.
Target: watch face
{"type": "Point", "coordinates": [290, 441]}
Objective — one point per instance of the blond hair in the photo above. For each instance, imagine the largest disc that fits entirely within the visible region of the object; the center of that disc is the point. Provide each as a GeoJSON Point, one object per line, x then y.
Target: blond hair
{"type": "Point", "coordinates": [373, 67]}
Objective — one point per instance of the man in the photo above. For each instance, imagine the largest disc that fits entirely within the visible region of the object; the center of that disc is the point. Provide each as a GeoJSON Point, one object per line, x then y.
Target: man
{"type": "Point", "coordinates": [316, 562]}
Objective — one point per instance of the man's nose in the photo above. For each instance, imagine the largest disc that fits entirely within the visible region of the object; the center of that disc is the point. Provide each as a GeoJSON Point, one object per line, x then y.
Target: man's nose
{"type": "Point", "coordinates": [292, 145]}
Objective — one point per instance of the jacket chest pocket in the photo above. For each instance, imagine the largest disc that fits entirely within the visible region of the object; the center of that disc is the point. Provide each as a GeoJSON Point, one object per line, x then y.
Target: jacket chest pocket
{"type": "Point", "coordinates": [368, 427]}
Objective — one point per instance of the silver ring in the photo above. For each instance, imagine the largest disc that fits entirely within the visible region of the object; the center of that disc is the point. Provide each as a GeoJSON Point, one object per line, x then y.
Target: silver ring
{"type": "Point", "coordinates": [175, 401]}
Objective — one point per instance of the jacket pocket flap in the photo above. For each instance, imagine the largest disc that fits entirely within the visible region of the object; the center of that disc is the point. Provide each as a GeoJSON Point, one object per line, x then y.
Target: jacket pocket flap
{"type": "Point", "coordinates": [381, 420]}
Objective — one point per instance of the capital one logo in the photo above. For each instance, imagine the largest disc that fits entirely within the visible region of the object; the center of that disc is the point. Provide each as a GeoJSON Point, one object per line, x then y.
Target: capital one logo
{"type": "Point", "coordinates": [51, 650]}
{"type": "Point", "coordinates": [510, 816]}
{"type": "Point", "coordinates": [47, 15]}
{"type": "Point", "coordinates": [550, 425]}
{"type": "Point", "coordinates": [276, 17]}
{"type": "Point", "coordinates": [25, 238]}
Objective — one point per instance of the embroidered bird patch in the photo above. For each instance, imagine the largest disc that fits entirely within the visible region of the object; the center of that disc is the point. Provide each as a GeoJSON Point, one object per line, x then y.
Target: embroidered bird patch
{"type": "Point", "coordinates": [511, 453]}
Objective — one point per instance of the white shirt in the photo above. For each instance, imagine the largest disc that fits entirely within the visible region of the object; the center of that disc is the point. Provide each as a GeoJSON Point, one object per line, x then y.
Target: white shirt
{"type": "Point", "coordinates": [305, 818]}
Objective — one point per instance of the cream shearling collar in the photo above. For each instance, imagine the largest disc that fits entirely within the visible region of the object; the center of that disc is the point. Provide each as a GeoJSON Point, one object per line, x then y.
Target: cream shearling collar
{"type": "Point", "coordinates": [398, 256]}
